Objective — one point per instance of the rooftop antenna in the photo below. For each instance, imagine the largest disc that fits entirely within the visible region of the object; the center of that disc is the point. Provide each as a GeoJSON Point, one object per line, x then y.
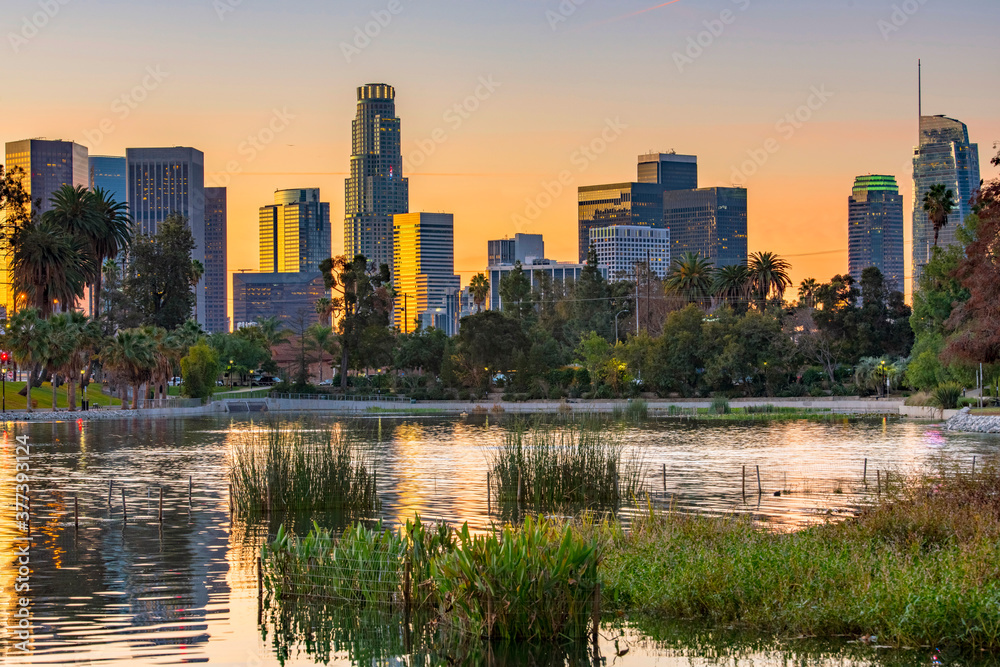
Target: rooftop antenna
{"type": "Point", "coordinates": [920, 88]}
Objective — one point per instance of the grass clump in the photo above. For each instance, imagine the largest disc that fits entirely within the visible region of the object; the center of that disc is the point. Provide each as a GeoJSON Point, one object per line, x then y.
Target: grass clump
{"type": "Point", "coordinates": [533, 582]}
{"type": "Point", "coordinates": [301, 467]}
{"type": "Point", "coordinates": [920, 568]}
{"type": "Point", "coordinates": [579, 464]}
{"type": "Point", "coordinates": [946, 396]}
{"type": "Point", "coordinates": [720, 406]}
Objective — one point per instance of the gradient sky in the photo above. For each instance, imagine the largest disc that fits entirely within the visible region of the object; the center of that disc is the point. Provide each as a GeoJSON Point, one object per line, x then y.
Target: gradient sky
{"type": "Point", "coordinates": [228, 65]}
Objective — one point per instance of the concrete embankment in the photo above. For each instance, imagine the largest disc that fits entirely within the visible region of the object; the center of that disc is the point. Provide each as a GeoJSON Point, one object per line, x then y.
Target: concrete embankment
{"type": "Point", "coordinates": [965, 421]}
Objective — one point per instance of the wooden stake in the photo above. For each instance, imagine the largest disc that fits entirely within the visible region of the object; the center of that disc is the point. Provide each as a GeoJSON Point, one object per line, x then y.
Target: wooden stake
{"type": "Point", "coordinates": [596, 613]}
{"type": "Point", "coordinates": [124, 509]}
{"type": "Point", "coordinates": [488, 509]}
{"type": "Point", "coordinates": [973, 466]}
{"type": "Point", "coordinates": [864, 476]}
{"type": "Point", "coordinates": [161, 505]}
{"type": "Point", "coordinates": [110, 483]}
{"type": "Point", "coordinates": [760, 490]}
{"type": "Point", "coordinates": [189, 494]}
{"type": "Point", "coordinates": [76, 512]}
{"type": "Point", "coordinates": [878, 482]}
{"type": "Point", "coordinates": [744, 484]}
{"type": "Point", "coordinates": [664, 479]}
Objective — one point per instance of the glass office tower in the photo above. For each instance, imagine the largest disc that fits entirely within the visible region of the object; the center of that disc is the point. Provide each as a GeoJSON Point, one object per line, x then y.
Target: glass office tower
{"type": "Point", "coordinates": [108, 173]}
{"type": "Point", "coordinates": [424, 271]}
{"type": "Point", "coordinates": [944, 156]}
{"type": "Point", "coordinates": [709, 221]}
{"type": "Point", "coordinates": [617, 204]}
{"type": "Point", "coordinates": [672, 171]}
{"type": "Point", "coordinates": [376, 189]}
{"type": "Point", "coordinates": [295, 232]}
{"type": "Point", "coordinates": [165, 181]}
{"type": "Point", "coordinates": [216, 266]}
{"type": "Point", "coordinates": [875, 228]}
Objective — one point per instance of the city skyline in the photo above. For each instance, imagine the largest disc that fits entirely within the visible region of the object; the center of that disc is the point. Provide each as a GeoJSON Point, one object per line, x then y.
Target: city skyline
{"type": "Point", "coordinates": [488, 136]}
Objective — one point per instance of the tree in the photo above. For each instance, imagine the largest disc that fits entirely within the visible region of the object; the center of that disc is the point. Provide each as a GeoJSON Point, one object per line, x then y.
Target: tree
{"type": "Point", "coordinates": [939, 202]}
{"type": "Point", "coordinates": [161, 275]}
{"type": "Point", "coordinates": [486, 344]}
{"type": "Point", "coordinates": [78, 335]}
{"type": "Point", "coordinates": [768, 276]}
{"type": "Point", "coordinates": [363, 298]}
{"type": "Point", "coordinates": [25, 338]}
{"type": "Point", "coordinates": [515, 293]}
{"type": "Point", "coordinates": [323, 340]}
{"type": "Point", "coordinates": [130, 357]}
{"type": "Point", "coordinates": [48, 265]}
{"type": "Point", "coordinates": [200, 369]}
{"type": "Point", "coordinates": [732, 284]}
{"type": "Point", "coordinates": [690, 278]}
{"type": "Point", "coordinates": [807, 293]}
{"type": "Point", "coordinates": [114, 235]}
{"type": "Point", "coordinates": [480, 288]}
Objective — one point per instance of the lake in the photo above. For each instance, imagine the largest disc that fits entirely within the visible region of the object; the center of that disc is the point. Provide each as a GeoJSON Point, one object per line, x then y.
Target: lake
{"type": "Point", "coordinates": [124, 592]}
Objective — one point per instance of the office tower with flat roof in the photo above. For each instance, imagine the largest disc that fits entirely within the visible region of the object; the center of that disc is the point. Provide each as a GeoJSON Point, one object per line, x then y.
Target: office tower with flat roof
{"type": "Point", "coordinates": [290, 297]}
{"type": "Point", "coordinates": [634, 204]}
{"type": "Point", "coordinates": [620, 247]}
{"type": "Point", "coordinates": [294, 232]}
{"type": "Point", "coordinates": [216, 266]}
{"type": "Point", "coordinates": [672, 171]}
{"type": "Point", "coordinates": [376, 189]}
{"type": "Point", "coordinates": [167, 181]}
{"type": "Point", "coordinates": [557, 273]}
{"type": "Point", "coordinates": [522, 248]}
{"type": "Point", "coordinates": [875, 228]}
{"type": "Point", "coordinates": [946, 157]}
{"type": "Point", "coordinates": [109, 173]}
{"type": "Point", "coordinates": [424, 270]}
{"type": "Point", "coordinates": [47, 165]}
{"type": "Point", "coordinates": [711, 222]}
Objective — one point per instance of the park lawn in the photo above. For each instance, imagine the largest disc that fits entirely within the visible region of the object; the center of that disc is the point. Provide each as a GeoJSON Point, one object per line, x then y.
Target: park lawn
{"type": "Point", "coordinates": [42, 396]}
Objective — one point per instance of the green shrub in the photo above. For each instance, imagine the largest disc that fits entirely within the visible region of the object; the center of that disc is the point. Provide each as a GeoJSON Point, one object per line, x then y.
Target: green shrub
{"type": "Point", "coordinates": [946, 396]}
{"type": "Point", "coordinates": [200, 369]}
{"type": "Point", "coordinates": [720, 405]}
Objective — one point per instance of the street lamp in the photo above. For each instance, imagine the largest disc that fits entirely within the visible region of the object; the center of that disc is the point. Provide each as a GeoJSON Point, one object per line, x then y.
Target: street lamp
{"type": "Point", "coordinates": [4, 360]}
{"type": "Point", "coordinates": [616, 323]}
{"type": "Point", "coordinates": [251, 379]}
{"type": "Point", "coordinates": [230, 374]}
{"type": "Point", "coordinates": [83, 377]}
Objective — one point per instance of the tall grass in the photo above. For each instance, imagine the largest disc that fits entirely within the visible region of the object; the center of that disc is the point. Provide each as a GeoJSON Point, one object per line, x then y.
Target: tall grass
{"type": "Point", "coordinates": [533, 582]}
{"type": "Point", "coordinates": [302, 466]}
{"type": "Point", "coordinates": [720, 405]}
{"type": "Point", "coordinates": [946, 396]}
{"type": "Point", "coordinates": [575, 465]}
{"type": "Point", "coordinates": [922, 567]}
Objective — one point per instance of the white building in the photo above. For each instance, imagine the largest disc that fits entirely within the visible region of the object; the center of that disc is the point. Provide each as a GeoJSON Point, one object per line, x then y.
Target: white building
{"type": "Point", "coordinates": [621, 247]}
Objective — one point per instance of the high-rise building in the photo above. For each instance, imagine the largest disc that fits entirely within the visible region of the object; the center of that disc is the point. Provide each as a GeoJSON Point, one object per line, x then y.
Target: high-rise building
{"type": "Point", "coordinates": [376, 189]}
{"type": "Point", "coordinates": [424, 270]}
{"type": "Point", "coordinates": [294, 232]}
{"type": "Point", "coordinates": [875, 228]}
{"type": "Point", "coordinates": [709, 221]}
{"type": "Point", "coordinates": [167, 181]}
{"type": "Point", "coordinates": [522, 248]}
{"type": "Point", "coordinates": [216, 267]}
{"type": "Point", "coordinates": [109, 173]}
{"type": "Point", "coordinates": [559, 273]}
{"type": "Point", "coordinates": [621, 247]}
{"type": "Point", "coordinates": [47, 165]}
{"type": "Point", "coordinates": [635, 204]}
{"type": "Point", "coordinates": [946, 157]}
{"type": "Point", "coordinates": [672, 171]}
{"type": "Point", "coordinates": [290, 297]}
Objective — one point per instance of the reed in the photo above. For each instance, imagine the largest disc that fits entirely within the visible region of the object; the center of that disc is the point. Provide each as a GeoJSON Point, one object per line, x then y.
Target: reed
{"type": "Point", "coordinates": [533, 582]}
{"type": "Point", "coordinates": [302, 467]}
{"type": "Point", "coordinates": [580, 464]}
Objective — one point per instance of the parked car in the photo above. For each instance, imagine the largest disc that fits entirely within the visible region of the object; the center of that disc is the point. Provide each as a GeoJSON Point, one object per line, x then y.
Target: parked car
{"type": "Point", "coordinates": [175, 382]}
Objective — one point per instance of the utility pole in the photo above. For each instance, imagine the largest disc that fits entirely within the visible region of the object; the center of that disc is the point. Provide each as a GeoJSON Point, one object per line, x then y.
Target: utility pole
{"type": "Point", "coordinates": [647, 292]}
{"type": "Point", "coordinates": [637, 298]}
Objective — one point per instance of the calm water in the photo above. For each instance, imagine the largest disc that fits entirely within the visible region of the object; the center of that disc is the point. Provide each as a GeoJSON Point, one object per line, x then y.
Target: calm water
{"type": "Point", "coordinates": [122, 593]}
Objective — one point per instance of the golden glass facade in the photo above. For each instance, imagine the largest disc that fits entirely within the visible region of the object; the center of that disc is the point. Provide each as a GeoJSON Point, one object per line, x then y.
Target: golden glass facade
{"type": "Point", "coordinates": [424, 269]}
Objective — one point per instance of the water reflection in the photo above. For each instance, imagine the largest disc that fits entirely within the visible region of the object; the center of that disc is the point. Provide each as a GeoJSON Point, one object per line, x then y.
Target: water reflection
{"type": "Point", "coordinates": [138, 592]}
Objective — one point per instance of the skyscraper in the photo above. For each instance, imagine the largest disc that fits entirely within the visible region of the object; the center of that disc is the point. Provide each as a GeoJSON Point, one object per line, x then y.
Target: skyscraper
{"type": "Point", "coordinates": [109, 173]}
{"type": "Point", "coordinates": [376, 189]}
{"type": "Point", "coordinates": [290, 297]}
{"type": "Point", "coordinates": [47, 165]}
{"type": "Point", "coordinates": [522, 248]}
{"type": "Point", "coordinates": [164, 181]}
{"type": "Point", "coordinates": [709, 221]}
{"type": "Point", "coordinates": [424, 271]}
{"type": "Point", "coordinates": [216, 267]}
{"type": "Point", "coordinates": [634, 204]}
{"type": "Point", "coordinates": [875, 228]}
{"type": "Point", "coordinates": [946, 157]}
{"type": "Point", "coordinates": [294, 232]}
{"type": "Point", "coordinates": [621, 247]}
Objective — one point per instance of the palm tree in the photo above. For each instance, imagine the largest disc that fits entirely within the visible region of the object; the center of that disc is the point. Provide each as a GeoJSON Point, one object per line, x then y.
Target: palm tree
{"type": "Point", "coordinates": [74, 211]}
{"type": "Point", "coordinates": [732, 284]}
{"type": "Point", "coordinates": [165, 354]}
{"type": "Point", "coordinates": [114, 236]}
{"type": "Point", "coordinates": [807, 292]}
{"type": "Point", "coordinates": [273, 331]}
{"type": "Point", "coordinates": [325, 308]}
{"type": "Point", "coordinates": [691, 277]}
{"type": "Point", "coordinates": [57, 349]}
{"type": "Point", "coordinates": [321, 339]}
{"type": "Point", "coordinates": [939, 202]}
{"type": "Point", "coordinates": [480, 288]}
{"type": "Point", "coordinates": [48, 265]}
{"type": "Point", "coordinates": [25, 340]}
{"type": "Point", "coordinates": [197, 271]}
{"type": "Point", "coordinates": [769, 275]}
{"type": "Point", "coordinates": [131, 358]}
{"type": "Point", "coordinates": [77, 336]}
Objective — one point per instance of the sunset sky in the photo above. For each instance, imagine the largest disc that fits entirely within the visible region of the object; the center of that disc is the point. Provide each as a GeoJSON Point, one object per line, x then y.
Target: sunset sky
{"type": "Point", "coordinates": [559, 73]}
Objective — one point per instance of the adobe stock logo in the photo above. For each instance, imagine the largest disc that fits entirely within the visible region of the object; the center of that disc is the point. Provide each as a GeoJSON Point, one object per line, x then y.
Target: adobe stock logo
{"type": "Point", "coordinates": [366, 34]}
{"type": "Point", "coordinates": [34, 24]}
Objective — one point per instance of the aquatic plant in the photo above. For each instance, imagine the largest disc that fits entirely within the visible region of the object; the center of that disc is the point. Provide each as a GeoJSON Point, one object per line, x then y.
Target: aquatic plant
{"type": "Point", "coordinates": [720, 405]}
{"type": "Point", "coordinates": [301, 466]}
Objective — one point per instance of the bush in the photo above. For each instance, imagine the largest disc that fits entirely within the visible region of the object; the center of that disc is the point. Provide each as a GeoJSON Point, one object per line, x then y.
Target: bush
{"type": "Point", "coordinates": [720, 405]}
{"type": "Point", "coordinates": [555, 393]}
{"type": "Point", "coordinates": [604, 392]}
{"type": "Point", "coordinates": [817, 392]}
{"type": "Point", "coordinates": [946, 396]}
{"type": "Point", "coordinates": [200, 368]}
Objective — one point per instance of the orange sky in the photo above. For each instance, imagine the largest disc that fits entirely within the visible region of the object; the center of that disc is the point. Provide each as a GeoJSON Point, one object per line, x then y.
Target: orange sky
{"type": "Point", "coordinates": [558, 77]}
